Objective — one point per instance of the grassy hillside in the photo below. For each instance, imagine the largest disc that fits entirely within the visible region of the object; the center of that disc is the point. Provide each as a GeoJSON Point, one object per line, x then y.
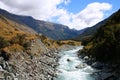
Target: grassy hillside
{"type": "Point", "coordinates": [56, 43]}
{"type": "Point", "coordinates": [14, 37]}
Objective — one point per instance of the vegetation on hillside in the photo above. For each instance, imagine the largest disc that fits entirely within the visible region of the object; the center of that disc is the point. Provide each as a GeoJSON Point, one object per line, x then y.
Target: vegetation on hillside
{"type": "Point", "coordinates": [105, 44]}
{"type": "Point", "coordinates": [12, 39]}
{"type": "Point", "coordinates": [50, 43]}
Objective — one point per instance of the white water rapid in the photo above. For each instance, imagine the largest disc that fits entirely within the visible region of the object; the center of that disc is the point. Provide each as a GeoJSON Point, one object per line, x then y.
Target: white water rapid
{"type": "Point", "coordinates": [73, 68]}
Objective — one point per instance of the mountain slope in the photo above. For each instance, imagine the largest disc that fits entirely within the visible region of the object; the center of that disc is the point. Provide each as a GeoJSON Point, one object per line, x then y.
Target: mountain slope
{"type": "Point", "coordinates": [90, 31]}
{"type": "Point", "coordinates": [14, 37]}
{"type": "Point", "coordinates": [51, 30]}
{"type": "Point", "coordinates": [105, 44]}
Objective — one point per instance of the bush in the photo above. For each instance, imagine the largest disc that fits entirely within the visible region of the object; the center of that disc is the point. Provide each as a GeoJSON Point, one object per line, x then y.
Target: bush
{"type": "Point", "coordinates": [26, 45]}
{"type": "Point", "coordinates": [3, 42]}
{"type": "Point", "coordinates": [21, 40]}
{"type": "Point", "coordinates": [5, 55]}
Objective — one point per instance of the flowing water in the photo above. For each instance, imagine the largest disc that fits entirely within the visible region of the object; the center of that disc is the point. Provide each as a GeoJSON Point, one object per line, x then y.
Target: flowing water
{"type": "Point", "coordinates": [68, 69]}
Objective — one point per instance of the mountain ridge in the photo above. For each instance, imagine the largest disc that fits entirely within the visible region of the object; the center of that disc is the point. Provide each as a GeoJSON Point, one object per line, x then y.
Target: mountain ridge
{"type": "Point", "coordinates": [51, 30]}
{"type": "Point", "coordinates": [89, 31]}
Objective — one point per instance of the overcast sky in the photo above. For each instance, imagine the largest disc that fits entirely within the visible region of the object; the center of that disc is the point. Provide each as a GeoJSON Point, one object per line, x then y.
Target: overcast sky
{"type": "Point", "coordinates": [76, 14]}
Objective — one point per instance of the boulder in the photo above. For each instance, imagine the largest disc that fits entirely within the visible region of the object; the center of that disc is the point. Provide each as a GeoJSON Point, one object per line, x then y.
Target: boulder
{"type": "Point", "coordinates": [97, 65]}
{"type": "Point", "coordinates": [80, 66]}
{"type": "Point", "coordinates": [111, 77]}
{"type": "Point", "coordinates": [86, 58]}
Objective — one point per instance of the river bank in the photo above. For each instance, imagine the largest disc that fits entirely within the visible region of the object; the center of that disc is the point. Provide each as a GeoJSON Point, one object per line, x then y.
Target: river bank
{"type": "Point", "coordinates": [39, 65]}
{"type": "Point", "coordinates": [107, 70]}
{"type": "Point", "coordinates": [37, 62]}
{"type": "Point", "coordinates": [72, 67]}
{"type": "Point", "coordinates": [51, 64]}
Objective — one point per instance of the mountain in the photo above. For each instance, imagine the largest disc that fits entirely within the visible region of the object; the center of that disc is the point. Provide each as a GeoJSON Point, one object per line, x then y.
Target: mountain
{"type": "Point", "coordinates": [105, 44]}
{"type": "Point", "coordinates": [89, 32]}
{"type": "Point", "coordinates": [51, 30]}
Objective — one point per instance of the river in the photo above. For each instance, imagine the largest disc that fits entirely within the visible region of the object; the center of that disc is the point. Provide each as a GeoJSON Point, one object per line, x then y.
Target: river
{"type": "Point", "coordinates": [68, 70]}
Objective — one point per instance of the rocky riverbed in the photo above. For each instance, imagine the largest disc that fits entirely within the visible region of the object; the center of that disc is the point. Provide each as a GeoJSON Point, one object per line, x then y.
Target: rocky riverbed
{"type": "Point", "coordinates": [39, 65]}
{"type": "Point", "coordinates": [107, 71]}
{"type": "Point", "coordinates": [83, 68]}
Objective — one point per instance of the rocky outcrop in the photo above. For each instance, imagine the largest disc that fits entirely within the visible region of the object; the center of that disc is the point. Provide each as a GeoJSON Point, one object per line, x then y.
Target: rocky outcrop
{"type": "Point", "coordinates": [36, 63]}
{"type": "Point", "coordinates": [105, 71]}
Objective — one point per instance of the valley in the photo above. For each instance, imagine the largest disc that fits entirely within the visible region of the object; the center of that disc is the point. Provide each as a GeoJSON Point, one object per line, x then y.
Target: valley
{"type": "Point", "coordinates": [32, 49]}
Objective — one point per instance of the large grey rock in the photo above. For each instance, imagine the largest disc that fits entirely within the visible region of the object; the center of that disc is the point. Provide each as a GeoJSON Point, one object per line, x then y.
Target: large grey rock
{"type": "Point", "coordinates": [97, 65]}
{"type": "Point", "coordinates": [110, 77]}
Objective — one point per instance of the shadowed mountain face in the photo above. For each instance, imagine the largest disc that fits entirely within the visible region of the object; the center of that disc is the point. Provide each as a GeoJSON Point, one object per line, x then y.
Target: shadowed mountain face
{"type": "Point", "coordinates": [89, 32]}
{"type": "Point", "coordinates": [105, 44]}
{"type": "Point", "coordinates": [51, 30]}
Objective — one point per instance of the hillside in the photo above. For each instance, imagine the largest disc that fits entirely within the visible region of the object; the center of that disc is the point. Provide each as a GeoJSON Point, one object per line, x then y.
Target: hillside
{"type": "Point", "coordinates": [51, 30]}
{"type": "Point", "coordinates": [105, 44]}
{"type": "Point", "coordinates": [20, 47]}
{"type": "Point", "coordinates": [14, 37]}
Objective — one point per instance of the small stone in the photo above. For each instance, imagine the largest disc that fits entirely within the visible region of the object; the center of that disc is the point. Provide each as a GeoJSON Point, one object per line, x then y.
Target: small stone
{"type": "Point", "coordinates": [80, 66]}
{"type": "Point", "coordinates": [68, 60]}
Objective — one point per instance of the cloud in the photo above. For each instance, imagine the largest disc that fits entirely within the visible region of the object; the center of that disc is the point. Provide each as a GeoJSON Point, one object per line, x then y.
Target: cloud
{"type": "Point", "coordinates": [50, 10]}
{"type": "Point", "coordinates": [66, 2]}
{"type": "Point", "coordinates": [40, 9]}
{"type": "Point", "coordinates": [88, 17]}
